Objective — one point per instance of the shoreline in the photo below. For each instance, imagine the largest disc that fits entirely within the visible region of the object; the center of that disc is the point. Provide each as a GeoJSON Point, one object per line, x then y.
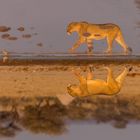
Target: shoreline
{"type": "Point", "coordinates": [69, 62]}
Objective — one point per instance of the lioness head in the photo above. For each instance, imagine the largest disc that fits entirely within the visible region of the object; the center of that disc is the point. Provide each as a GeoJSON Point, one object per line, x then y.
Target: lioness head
{"type": "Point", "coordinates": [76, 27]}
{"type": "Point", "coordinates": [72, 27]}
{"type": "Point", "coordinates": [73, 90]}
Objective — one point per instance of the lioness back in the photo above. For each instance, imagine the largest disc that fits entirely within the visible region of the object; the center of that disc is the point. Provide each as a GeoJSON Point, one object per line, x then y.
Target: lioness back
{"type": "Point", "coordinates": [102, 30]}
{"type": "Point", "coordinates": [82, 27]}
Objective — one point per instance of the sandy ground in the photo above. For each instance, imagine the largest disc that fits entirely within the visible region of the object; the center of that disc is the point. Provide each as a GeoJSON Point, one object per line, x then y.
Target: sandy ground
{"type": "Point", "coordinates": [46, 80]}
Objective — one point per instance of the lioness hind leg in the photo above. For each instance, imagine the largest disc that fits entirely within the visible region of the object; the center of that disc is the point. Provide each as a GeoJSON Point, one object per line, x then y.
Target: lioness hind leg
{"type": "Point", "coordinates": [122, 76]}
{"type": "Point", "coordinates": [110, 77]}
{"type": "Point", "coordinates": [120, 40]}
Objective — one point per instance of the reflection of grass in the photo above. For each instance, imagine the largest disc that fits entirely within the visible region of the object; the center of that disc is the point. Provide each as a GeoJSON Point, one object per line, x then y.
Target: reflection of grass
{"type": "Point", "coordinates": [117, 110]}
{"type": "Point", "coordinates": [45, 118]}
{"type": "Point", "coordinates": [8, 125]}
{"type": "Point", "coordinates": [47, 114]}
{"type": "Point", "coordinates": [6, 132]}
{"type": "Point", "coordinates": [80, 110]}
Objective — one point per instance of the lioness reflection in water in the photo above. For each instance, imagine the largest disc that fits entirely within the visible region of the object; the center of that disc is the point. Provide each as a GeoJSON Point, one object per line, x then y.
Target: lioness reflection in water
{"type": "Point", "coordinates": [89, 86]}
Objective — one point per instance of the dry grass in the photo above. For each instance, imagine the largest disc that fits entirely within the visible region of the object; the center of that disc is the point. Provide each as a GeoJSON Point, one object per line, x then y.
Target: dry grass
{"type": "Point", "coordinates": [133, 74]}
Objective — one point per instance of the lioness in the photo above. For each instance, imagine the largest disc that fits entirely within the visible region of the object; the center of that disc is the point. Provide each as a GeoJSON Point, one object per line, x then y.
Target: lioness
{"type": "Point", "coordinates": [88, 32]}
{"type": "Point", "coordinates": [89, 86]}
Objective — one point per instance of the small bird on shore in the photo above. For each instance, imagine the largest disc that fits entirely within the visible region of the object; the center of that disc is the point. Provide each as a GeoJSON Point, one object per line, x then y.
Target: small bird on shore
{"type": "Point", "coordinates": [5, 58]}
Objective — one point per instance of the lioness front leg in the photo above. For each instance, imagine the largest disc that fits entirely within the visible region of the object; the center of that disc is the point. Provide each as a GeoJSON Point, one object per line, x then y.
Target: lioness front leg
{"type": "Point", "coordinates": [78, 74]}
{"type": "Point", "coordinates": [90, 46]}
{"type": "Point", "coordinates": [77, 44]}
{"type": "Point", "coordinates": [109, 42]}
{"type": "Point", "coordinates": [110, 76]}
{"type": "Point", "coordinates": [89, 42]}
{"type": "Point", "coordinates": [90, 73]}
{"type": "Point", "coordinates": [112, 83]}
{"type": "Point", "coordinates": [82, 84]}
